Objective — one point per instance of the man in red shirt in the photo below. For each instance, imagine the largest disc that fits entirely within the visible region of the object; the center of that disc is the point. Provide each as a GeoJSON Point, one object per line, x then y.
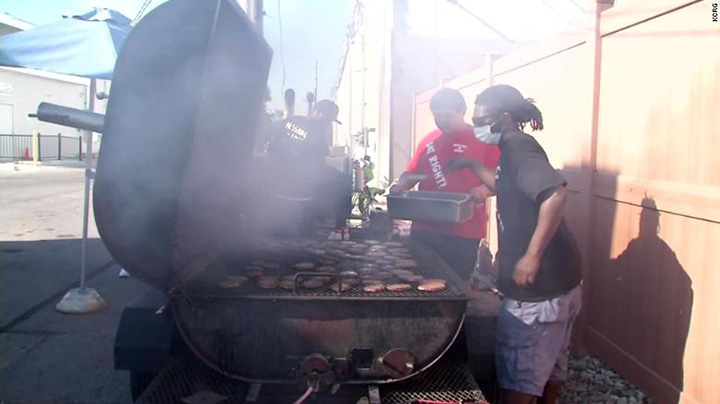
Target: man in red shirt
{"type": "Point", "coordinates": [457, 244]}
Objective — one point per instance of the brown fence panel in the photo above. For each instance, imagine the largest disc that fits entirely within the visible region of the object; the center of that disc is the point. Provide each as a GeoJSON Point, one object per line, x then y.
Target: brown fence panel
{"type": "Point", "coordinates": [652, 182]}
{"type": "Point", "coordinates": [658, 189]}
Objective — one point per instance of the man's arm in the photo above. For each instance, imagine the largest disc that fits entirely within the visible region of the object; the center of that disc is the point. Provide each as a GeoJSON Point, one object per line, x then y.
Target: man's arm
{"type": "Point", "coordinates": [406, 182]}
{"type": "Point", "coordinates": [479, 194]}
{"type": "Point", "coordinates": [486, 175]}
{"type": "Point", "coordinates": [549, 219]}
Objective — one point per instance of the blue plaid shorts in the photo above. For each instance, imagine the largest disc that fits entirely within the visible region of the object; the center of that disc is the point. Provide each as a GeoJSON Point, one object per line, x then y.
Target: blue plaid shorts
{"type": "Point", "coordinates": [533, 340]}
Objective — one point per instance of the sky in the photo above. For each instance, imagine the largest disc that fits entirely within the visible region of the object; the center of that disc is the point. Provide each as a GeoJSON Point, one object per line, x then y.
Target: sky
{"type": "Point", "coordinates": [315, 29]}
{"type": "Point", "coordinates": [311, 30]}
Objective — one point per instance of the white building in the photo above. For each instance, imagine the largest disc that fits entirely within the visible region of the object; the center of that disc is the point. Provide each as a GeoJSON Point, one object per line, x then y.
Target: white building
{"type": "Point", "coordinates": [21, 90]}
{"type": "Point", "coordinates": [397, 48]}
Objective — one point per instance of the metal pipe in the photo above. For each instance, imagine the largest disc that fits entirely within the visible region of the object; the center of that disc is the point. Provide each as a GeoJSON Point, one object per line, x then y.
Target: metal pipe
{"type": "Point", "coordinates": [71, 117]}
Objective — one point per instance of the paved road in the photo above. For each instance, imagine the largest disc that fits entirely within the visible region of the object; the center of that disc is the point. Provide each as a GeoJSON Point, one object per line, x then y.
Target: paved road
{"type": "Point", "coordinates": [45, 356]}
{"type": "Point", "coordinates": [40, 236]}
{"type": "Point", "coordinates": [56, 358]}
{"type": "Point", "coordinates": [40, 203]}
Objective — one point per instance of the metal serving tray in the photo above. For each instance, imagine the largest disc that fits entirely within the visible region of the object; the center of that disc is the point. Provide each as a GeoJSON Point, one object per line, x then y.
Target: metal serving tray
{"type": "Point", "coordinates": [439, 207]}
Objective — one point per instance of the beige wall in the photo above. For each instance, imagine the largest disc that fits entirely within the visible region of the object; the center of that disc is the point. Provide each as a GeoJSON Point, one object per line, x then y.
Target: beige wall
{"type": "Point", "coordinates": [29, 88]}
{"type": "Point", "coordinates": [630, 113]}
{"type": "Point", "coordinates": [384, 68]}
{"type": "Point", "coordinates": [363, 91]}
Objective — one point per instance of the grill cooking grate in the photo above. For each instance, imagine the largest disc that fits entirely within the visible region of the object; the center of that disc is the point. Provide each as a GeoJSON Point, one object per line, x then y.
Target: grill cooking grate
{"type": "Point", "coordinates": [427, 267]}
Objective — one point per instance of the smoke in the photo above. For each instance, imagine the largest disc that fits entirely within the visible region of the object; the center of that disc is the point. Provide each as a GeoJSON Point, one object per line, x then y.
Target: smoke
{"type": "Point", "coordinates": [181, 120]}
{"type": "Point", "coordinates": [177, 183]}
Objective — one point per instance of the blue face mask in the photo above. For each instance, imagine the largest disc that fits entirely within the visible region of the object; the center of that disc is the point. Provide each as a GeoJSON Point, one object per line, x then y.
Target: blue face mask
{"type": "Point", "coordinates": [487, 136]}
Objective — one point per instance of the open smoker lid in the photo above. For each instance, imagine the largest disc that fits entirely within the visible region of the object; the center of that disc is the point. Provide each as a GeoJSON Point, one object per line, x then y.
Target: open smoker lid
{"type": "Point", "coordinates": [187, 92]}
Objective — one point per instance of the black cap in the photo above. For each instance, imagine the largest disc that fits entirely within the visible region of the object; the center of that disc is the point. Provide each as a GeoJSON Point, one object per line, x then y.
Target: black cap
{"type": "Point", "coordinates": [328, 109]}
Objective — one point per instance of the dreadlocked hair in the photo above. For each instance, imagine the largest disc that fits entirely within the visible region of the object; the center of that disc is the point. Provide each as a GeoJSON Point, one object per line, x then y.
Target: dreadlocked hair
{"type": "Point", "coordinates": [507, 99]}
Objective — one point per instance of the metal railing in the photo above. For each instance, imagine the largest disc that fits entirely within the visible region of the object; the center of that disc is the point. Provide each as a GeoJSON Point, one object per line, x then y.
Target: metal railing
{"type": "Point", "coordinates": [49, 147]}
{"type": "Point", "coordinates": [15, 146]}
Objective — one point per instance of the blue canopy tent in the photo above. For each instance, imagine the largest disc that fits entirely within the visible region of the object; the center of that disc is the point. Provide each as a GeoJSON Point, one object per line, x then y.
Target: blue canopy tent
{"type": "Point", "coordinates": [84, 45]}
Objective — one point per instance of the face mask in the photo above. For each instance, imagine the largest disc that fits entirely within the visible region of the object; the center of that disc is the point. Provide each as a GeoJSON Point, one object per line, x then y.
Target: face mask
{"type": "Point", "coordinates": [487, 136]}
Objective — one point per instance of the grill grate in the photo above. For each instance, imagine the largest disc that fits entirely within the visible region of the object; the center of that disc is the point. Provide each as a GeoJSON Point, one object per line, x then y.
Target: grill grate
{"type": "Point", "coordinates": [445, 381]}
{"type": "Point", "coordinates": [200, 286]}
{"type": "Point", "coordinates": [183, 378]}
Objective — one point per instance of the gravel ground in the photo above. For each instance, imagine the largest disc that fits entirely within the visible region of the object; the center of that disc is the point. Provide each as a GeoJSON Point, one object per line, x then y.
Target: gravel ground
{"type": "Point", "coordinates": [592, 381]}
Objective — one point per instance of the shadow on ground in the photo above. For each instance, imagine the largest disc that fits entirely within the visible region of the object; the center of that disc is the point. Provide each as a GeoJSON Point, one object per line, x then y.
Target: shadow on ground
{"type": "Point", "coordinates": [49, 357]}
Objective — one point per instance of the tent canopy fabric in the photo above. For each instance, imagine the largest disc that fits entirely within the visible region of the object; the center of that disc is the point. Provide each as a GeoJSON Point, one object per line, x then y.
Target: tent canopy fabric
{"type": "Point", "coordinates": [84, 45]}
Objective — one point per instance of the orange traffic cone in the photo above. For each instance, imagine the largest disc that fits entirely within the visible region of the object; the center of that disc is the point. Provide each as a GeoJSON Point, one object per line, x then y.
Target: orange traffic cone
{"type": "Point", "coordinates": [27, 154]}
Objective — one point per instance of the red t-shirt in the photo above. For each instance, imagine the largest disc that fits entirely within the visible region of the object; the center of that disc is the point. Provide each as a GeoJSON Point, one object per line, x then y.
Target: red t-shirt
{"type": "Point", "coordinates": [430, 158]}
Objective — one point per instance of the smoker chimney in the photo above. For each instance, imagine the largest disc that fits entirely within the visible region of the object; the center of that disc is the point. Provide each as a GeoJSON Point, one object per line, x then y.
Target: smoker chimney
{"type": "Point", "coordinates": [289, 103]}
{"type": "Point", "coordinates": [310, 98]}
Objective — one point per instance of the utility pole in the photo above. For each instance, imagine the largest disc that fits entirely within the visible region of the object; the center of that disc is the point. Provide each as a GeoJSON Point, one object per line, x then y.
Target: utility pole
{"type": "Point", "coordinates": [256, 11]}
{"type": "Point", "coordinates": [316, 71]}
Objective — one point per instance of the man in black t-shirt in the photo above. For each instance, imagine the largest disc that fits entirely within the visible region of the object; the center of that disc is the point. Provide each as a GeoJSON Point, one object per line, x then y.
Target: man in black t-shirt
{"type": "Point", "coordinates": [306, 137]}
{"type": "Point", "coordinates": [538, 259]}
{"type": "Point", "coordinates": [301, 146]}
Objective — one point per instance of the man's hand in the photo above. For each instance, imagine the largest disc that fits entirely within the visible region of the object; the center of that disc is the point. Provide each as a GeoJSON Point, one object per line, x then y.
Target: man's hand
{"type": "Point", "coordinates": [395, 189]}
{"type": "Point", "coordinates": [459, 163]}
{"type": "Point", "coordinates": [479, 194]}
{"type": "Point", "coordinates": [526, 270]}
{"type": "Point", "coordinates": [406, 181]}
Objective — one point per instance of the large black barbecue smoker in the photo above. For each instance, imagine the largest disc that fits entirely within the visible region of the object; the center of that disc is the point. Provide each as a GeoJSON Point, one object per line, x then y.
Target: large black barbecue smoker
{"type": "Point", "coordinates": [183, 204]}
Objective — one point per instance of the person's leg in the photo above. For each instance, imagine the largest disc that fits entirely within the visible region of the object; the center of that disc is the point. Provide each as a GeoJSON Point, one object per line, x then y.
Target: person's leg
{"type": "Point", "coordinates": [572, 303]}
{"type": "Point", "coordinates": [421, 237]}
{"type": "Point", "coordinates": [459, 253]}
{"type": "Point", "coordinates": [465, 257]}
{"type": "Point", "coordinates": [334, 190]}
{"type": "Point", "coordinates": [521, 370]}
{"type": "Point", "coordinates": [515, 397]}
{"type": "Point", "coordinates": [341, 186]}
{"type": "Point", "coordinates": [551, 393]}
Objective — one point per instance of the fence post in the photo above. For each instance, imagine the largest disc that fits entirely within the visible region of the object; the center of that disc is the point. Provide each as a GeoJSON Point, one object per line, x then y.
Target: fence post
{"type": "Point", "coordinates": [59, 146]}
{"type": "Point", "coordinates": [35, 147]}
{"type": "Point", "coordinates": [79, 138]}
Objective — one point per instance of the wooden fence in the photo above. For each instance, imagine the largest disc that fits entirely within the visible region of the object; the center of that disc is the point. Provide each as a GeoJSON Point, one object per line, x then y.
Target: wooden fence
{"type": "Point", "coordinates": [631, 114]}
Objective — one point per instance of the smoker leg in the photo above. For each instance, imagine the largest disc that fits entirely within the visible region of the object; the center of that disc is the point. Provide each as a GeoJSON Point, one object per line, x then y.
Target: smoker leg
{"type": "Point", "coordinates": [374, 394]}
{"type": "Point", "coordinates": [253, 393]}
{"type": "Point", "coordinates": [139, 382]}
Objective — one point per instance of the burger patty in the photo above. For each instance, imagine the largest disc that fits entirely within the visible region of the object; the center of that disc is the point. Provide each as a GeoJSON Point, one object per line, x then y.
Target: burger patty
{"type": "Point", "coordinates": [374, 288]}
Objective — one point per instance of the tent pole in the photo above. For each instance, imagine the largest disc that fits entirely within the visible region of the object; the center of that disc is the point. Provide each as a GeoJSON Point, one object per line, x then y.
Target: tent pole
{"type": "Point", "coordinates": [83, 299]}
{"type": "Point", "coordinates": [88, 174]}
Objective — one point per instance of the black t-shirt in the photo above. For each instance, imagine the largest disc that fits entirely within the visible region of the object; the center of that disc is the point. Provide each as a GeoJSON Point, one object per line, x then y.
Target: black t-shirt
{"type": "Point", "coordinates": [524, 180]}
{"type": "Point", "coordinates": [301, 137]}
